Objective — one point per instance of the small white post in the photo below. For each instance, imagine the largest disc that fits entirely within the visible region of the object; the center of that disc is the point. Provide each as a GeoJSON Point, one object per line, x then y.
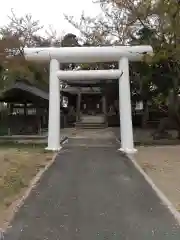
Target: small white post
{"type": "Point", "coordinates": [54, 108]}
{"type": "Point", "coordinates": [126, 129]}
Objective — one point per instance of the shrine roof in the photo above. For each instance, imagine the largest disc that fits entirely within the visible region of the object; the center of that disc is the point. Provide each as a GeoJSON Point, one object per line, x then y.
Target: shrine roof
{"type": "Point", "coordinates": [22, 91]}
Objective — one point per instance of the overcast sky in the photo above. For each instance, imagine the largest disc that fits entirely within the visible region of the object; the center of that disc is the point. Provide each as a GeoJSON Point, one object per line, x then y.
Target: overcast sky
{"type": "Point", "coordinates": [49, 12]}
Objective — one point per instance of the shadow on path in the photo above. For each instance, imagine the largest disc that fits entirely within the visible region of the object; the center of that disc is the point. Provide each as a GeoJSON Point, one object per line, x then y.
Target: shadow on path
{"type": "Point", "coordinates": [93, 193]}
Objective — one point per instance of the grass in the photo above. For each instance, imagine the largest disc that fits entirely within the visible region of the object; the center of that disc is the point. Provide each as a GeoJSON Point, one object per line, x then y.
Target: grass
{"type": "Point", "coordinates": [19, 163]}
{"type": "Point", "coordinates": [26, 145]}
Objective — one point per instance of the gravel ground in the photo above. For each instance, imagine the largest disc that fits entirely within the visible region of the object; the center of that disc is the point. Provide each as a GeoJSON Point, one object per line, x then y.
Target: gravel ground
{"type": "Point", "coordinates": [162, 163]}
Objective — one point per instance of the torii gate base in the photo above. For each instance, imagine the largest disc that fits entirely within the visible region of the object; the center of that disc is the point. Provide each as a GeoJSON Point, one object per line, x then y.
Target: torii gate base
{"type": "Point", "coordinates": [121, 54]}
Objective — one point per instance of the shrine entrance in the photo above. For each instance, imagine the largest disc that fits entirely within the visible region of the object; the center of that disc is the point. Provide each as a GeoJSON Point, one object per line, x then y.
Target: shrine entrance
{"type": "Point", "coordinates": [91, 104]}
{"type": "Point", "coordinates": [92, 114]}
{"type": "Point", "coordinates": [87, 106]}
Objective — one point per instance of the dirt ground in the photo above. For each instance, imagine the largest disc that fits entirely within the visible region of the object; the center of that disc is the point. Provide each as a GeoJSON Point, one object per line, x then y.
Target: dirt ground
{"type": "Point", "coordinates": [162, 164]}
{"type": "Point", "coordinates": [17, 168]}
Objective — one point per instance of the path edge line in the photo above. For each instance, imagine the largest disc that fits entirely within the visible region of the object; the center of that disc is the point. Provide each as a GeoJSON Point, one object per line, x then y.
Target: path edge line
{"type": "Point", "coordinates": [33, 183]}
{"type": "Point", "coordinates": [166, 202]}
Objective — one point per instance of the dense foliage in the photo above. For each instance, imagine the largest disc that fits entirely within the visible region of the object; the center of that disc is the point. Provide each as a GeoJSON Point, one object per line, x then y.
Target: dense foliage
{"type": "Point", "coordinates": [155, 80]}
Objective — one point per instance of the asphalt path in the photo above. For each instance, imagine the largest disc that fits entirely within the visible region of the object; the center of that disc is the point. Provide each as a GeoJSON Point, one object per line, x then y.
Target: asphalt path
{"type": "Point", "coordinates": [93, 192]}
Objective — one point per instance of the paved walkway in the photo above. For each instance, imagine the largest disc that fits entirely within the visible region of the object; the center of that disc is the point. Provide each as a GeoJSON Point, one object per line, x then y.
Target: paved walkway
{"type": "Point", "coordinates": [93, 193]}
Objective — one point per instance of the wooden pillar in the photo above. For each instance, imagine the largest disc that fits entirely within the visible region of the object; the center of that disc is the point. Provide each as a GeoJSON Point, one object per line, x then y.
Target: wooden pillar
{"type": "Point", "coordinates": [39, 114]}
{"type": "Point", "coordinates": [11, 106]}
{"type": "Point", "coordinates": [104, 107]}
{"type": "Point", "coordinates": [10, 117]}
{"type": "Point", "coordinates": [25, 109]}
{"type": "Point", "coordinates": [78, 106]}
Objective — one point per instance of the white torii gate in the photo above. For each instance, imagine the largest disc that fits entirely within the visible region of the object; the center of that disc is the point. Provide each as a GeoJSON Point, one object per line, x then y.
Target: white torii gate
{"type": "Point", "coordinates": [121, 54]}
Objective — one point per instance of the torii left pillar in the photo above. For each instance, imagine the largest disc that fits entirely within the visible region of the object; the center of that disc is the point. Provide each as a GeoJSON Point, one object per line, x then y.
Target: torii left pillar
{"type": "Point", "coordinates": [54, 108]}
{"type": "Point", "coordinates": [126, 129]}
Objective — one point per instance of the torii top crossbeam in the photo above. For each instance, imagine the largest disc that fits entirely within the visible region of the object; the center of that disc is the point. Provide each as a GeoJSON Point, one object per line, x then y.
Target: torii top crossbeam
{"type": "Point", "coordinates": [87, 54]}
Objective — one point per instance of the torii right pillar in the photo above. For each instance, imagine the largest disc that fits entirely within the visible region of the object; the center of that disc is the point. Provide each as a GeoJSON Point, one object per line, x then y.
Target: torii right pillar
{"type": "Point", "coordinates": [126, 128]}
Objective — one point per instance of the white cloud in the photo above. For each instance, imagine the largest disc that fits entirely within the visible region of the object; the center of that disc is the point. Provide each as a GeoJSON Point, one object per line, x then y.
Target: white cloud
{"type": "Point", "coordinates": [50, 12]}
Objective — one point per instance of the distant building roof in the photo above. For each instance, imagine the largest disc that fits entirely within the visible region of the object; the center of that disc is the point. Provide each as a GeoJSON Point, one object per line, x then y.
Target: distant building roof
{"type": "Point", "coordinates": [22, 91]}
